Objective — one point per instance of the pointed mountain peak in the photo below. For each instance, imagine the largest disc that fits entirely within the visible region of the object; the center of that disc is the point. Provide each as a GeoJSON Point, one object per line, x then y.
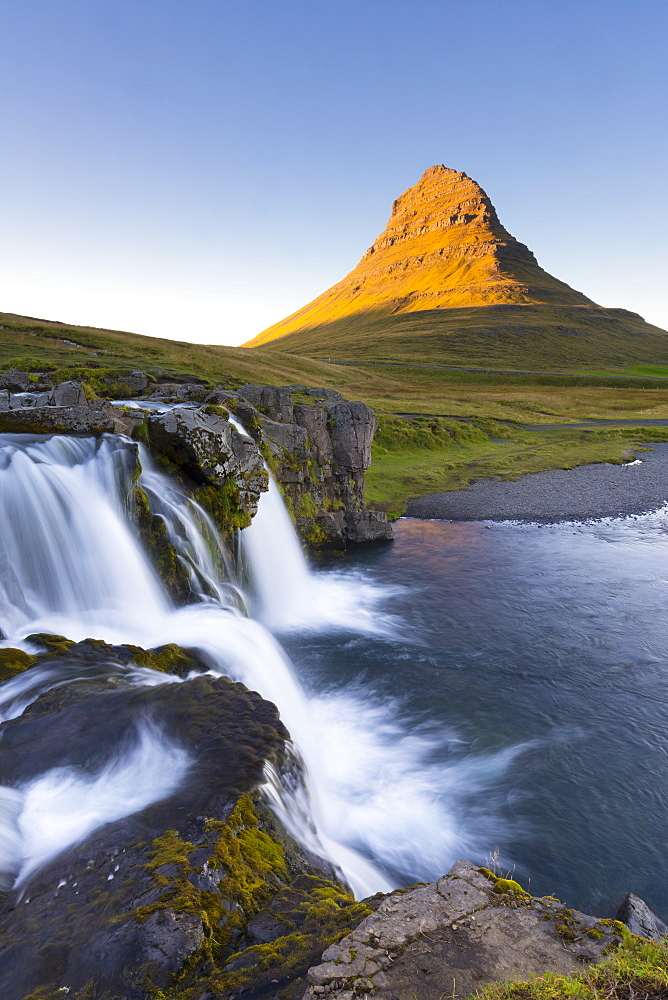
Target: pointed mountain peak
{"type": "Point", "coordinates": [443, 248]}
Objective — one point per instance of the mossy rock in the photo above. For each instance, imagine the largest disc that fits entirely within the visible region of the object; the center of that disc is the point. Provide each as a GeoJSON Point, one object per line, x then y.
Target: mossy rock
{"type": "Point", "coordinates": [13, 662]}
{"type": "Point", "coordinates": [164, 557]}
{"type": "Point", "coordinates": [170, 659]}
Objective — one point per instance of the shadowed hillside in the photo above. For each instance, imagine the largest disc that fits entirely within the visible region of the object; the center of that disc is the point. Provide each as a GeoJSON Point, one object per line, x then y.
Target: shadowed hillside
{"type": "Point", "coordinates": [446, 283]}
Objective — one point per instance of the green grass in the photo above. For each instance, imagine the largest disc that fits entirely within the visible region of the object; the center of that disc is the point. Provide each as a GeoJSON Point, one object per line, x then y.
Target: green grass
{"type": "Point", "coordinates": [637, 970]}
{"type": "Point", "coordinates": [409, 459]}
{"type": "Point", "coordinates": [660, 371]}
{"type": "Point", "coordinates": [413, 457]}
{"type": "Point", "coordinates": [544, 337]}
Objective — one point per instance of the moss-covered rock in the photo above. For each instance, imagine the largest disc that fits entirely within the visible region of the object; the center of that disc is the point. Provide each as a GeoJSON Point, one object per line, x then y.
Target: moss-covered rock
{"type": "Point", "coordinates": [13, 662]}
{"type": "Point", "coordinates": [160, 903]}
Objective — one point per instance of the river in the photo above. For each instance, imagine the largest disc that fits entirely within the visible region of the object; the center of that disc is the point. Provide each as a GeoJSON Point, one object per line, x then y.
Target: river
{"type": "Point", "coordinates": [539, 655]}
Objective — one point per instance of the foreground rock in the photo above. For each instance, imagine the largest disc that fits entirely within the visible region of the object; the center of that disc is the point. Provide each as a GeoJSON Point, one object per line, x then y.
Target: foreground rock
{"type": "Point", "coordinates": [201, 893]}
{"type": "Point", "coordinates": [451, 937]}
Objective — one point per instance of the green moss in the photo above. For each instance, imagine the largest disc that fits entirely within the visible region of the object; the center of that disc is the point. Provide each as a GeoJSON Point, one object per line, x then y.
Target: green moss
{"type": "Point", "coordinates": [170, 848]}
{"type": "Point", "coordinates": [223, 504]}
{"type": "Point", "coordinates": [314, 912]}
{"type": "Point", "coordinates": [332, 505]}
{"type": "Point", "coordinates": [140, 432]}
{"type": "Point", "coordinates": [254, 863]}
{"type": "Point", "coordinates": [13, 662]}
{"type": "Point", "coordinates": [314, 535]}
{"type": "Point", "coordinates": [54, 644]}
{"type": "Point", "coordinates": [169, 659]}
{"type": "Point", "coordinates": [637, 968]}
{"type": "Point", "coordinates": [163, 555]}
{"type": "Point", "coordinates": [306, 506]}
{"type": "Point", "coordinates": [502, 886]}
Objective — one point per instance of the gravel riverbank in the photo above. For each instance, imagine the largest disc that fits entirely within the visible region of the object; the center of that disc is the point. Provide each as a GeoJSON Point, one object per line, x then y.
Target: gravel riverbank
{"type": "Point", "coordinates": [580, 494]}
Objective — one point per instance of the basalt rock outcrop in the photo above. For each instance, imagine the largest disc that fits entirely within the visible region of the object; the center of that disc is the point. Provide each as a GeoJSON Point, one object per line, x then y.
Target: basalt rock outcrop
{"type": "Point", "coordinates": [204, 892]}
{"type": "Point", "coordinates": [446, 283]}
{"type": "Point", "coordinates": [316, 443]}
{"type": "Point", "coordinates": [453, 936]}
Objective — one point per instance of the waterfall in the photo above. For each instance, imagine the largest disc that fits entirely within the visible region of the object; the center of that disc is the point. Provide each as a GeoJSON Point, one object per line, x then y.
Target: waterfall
{"type": "Point", "coordinates": [71, 564]}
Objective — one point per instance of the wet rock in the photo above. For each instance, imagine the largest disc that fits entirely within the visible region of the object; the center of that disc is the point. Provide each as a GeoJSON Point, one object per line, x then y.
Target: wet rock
{"type": "Point", "coordinates": [154, 895]}
{"type": "Point", "coordinates": [168, 940]}
{"type": "Point", "coordinates": [453, 936]}
{"type": "Point", "coordinates": [640, 920]}
{"type": "Point", "coordinates": [205, 445]}
{"type": "Point", "coordinates": [367, 526]}
{"type": "Point", "coordinates": [214, 456]}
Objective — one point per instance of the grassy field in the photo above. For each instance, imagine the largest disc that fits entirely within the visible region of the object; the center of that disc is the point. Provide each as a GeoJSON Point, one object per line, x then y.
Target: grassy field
{"type": "Point", "coordinates": [413, 455]}
{"type": "Point", "coordinates": [422, 455]}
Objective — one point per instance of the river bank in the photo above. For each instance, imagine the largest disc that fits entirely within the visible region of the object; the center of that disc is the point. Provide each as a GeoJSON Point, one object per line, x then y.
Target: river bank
{"type": "Point", "coordinates": [587, 492]}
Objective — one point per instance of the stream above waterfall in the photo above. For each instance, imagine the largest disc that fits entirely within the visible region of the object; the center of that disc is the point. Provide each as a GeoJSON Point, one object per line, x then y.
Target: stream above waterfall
{"type": "Point", "coordinates": [471, 687]}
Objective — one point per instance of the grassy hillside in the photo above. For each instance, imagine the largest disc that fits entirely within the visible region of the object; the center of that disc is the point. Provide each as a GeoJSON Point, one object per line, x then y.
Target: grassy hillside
{"type": "Point", "coordinates": [559, 338]}
{"type": "Point", "coordinates": [420, 447]}
{"type": "Point", "coordinates": [42, 345]}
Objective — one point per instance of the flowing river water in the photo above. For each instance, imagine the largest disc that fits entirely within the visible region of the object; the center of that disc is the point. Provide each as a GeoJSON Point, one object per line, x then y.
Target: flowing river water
{"type": "Point", "coordinates": [467, 688]}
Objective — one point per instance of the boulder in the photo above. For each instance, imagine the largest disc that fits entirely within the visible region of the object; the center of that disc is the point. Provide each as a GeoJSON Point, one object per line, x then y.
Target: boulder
{"type": "Point", "coordinates": [211, 452]}
{"type": "Point", "coordinates": [367, 526]}
{"type": "Point", "coordinates": [453, 936]}
{"type": "Point", "coordinates": [15, 381]}
{"type": "Point", "coordinates": [67, 394]}
{"type": "Point", "coordinates": [640, 920]}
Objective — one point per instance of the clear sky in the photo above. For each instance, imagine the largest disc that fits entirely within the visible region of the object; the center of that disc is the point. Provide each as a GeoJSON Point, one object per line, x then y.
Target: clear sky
{"type": "Point", "coordinates": [199, 169]}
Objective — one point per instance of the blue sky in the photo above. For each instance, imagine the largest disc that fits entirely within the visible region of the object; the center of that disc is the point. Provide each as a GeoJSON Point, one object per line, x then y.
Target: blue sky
{"type": "Point", "coordinates": [201, 169]}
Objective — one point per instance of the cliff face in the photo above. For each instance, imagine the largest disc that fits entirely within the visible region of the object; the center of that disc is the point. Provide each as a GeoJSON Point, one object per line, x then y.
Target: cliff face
{"type": "Point", "coordinates": [318, 445]}
{"type": "Point", "coordinates": [443, 247]}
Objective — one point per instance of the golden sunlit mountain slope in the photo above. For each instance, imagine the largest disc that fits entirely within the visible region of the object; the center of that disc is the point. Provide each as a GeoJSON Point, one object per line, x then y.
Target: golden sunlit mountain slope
{"type": "Point", "coordinates": [445, 282]}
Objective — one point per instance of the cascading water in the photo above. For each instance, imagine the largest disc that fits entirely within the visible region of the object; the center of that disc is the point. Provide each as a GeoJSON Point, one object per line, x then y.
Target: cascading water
{"type": "Point", "coordinates": [70, 564]}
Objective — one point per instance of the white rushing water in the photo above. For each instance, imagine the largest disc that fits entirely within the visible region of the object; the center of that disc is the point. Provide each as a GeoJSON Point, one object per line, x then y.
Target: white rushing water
{"type": "Point", "coordinates": [70, 564]}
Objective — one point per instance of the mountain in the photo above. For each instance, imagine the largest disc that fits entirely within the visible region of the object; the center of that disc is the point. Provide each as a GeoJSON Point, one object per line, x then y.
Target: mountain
{"type": "Point", "coordinates": [446, 282]}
